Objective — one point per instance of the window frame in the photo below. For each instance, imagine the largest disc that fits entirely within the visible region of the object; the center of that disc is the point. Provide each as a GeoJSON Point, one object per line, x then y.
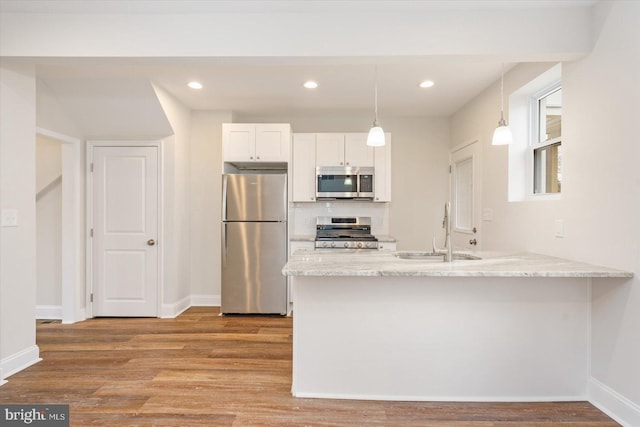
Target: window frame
{"type": "Point", "coordinates": [534, 139]}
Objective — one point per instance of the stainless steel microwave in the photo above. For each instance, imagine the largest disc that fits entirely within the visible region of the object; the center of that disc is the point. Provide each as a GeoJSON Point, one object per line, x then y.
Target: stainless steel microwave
{"type": "Point", "coordinates": [344, 182]}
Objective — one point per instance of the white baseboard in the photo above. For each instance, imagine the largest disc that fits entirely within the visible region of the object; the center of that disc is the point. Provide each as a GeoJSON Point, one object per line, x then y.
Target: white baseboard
{"type": "Point", "coordinates": [19, 361]}
{"type": "Point", "coordinates": [612, 403]}
{"type": "Point", "coordinates": [81, 315]}
{"type": "Point", "coordinates": [451, 398]}
{"type": "Point", "coordinates": [49, 312]}
{"type": "Point", "coordinates": [170, 311]}
{"type": "Point", "coordinates": [205, 300]}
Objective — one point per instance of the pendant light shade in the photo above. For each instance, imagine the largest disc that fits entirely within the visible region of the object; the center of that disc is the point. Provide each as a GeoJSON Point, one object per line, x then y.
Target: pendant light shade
{"type": "Point", "coordinates": [376, 134]}
{"type": "Point", "coordinates": [502, 135]}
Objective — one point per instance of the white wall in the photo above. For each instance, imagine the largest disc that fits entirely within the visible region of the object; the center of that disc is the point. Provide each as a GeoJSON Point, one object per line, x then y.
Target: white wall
{"type": "Point", "coordinates": [176, 199]}
{"type": "Point", "coordinates": [600, 201]}
{"type": "Point", "coordinates": [198, 29]}
{"type": "Point", "coordinates": [51, 115]}
{"type": "Point", "coordinates": [205, 208]}
{"type": "Point", "coordinates": [48, 227]}
{"type": "Point", "coordinates": [419, 182]}
{"type": "Point", "coordinates": [18, 347]}
{"type": "Point", "coordinates": [601, 97]}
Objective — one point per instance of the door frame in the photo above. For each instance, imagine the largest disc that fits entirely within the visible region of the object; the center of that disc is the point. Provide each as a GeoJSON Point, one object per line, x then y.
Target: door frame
{"type": "Point", "coordinates": [477, 193]}
{"type": "Point", "coordinates": [72, 229]}
{"type": "Point", "coordinates": [89, 217]}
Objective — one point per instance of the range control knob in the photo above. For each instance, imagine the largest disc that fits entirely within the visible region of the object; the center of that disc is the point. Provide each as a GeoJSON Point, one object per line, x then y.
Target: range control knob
{"type": "Point", "coordinates": [333, 244]}
{"type": "Point", "coordinates": [325, 244]}
{"type": "Point", "coordinates": [360, 245]}
{"type": "Point", "coordinates": [346, 244]}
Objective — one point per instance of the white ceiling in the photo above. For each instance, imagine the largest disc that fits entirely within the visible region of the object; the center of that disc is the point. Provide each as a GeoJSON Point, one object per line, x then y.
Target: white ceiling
{"type": "Point", "coordinates": [272, 85]}
{"type": "Point", "coordinates": [262, 87]}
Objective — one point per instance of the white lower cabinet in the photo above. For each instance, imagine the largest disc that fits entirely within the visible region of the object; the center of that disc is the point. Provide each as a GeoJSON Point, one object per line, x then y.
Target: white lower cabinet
{"type": "Point", "coordinates": [387, 246]}
{"type": "Point", "coordinates": [294, 246]}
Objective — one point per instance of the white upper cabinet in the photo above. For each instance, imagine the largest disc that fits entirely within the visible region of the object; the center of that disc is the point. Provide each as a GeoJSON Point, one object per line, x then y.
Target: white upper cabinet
{"type": "Point", "coordinates": [340, 149]}
{"type": "Point", "coordinates": [382, 177]}
{"type": "Point", "coordinates": [304, 167]}
{"type": "Point", "coordinates": [356, 150]}
{"type": "Point", "coordinates": [249, 142]}
{"type": "Point", "coordinates": [329, 149]}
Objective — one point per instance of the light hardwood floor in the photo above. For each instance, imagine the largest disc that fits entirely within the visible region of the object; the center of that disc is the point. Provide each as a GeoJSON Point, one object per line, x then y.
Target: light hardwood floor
{"type": "Point", "coordinates": [202, 369]}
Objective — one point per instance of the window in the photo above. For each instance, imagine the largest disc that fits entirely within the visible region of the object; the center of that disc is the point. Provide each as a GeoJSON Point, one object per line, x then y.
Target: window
{"type": "Point", "coordinates": [535, 118]}
{"type": "Point", "coordinates": [547, 141]}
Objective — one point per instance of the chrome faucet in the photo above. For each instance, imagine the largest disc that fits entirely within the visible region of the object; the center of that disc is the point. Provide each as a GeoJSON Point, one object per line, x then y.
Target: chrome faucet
{"type": "Point", "coordinates": [446, 224]}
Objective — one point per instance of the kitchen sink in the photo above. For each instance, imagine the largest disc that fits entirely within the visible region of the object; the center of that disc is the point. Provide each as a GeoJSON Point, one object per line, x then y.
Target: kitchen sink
{"type": "Point", "coordinates": [432, 256]}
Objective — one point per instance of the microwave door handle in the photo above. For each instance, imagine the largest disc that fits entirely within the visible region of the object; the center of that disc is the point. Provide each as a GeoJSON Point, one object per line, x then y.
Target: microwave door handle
{"type": "Point", "coordinates": [357, 184]}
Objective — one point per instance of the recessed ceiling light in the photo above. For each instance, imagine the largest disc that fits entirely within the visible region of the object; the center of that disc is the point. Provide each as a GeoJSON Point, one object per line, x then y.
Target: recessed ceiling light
{"type": "Point", "coordinates": [195, 85]}
{"type": "Point", "coordinates": [310, 84]}
{"type": "Point", "coordinates": [426, 84]}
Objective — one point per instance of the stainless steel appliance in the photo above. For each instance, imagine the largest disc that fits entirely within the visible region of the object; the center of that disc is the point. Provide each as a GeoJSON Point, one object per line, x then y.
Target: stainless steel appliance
{"type": "Point", "coordinates": [254, 243]}
{"type": "Point", "coordinates": [344, 182]}
{"type": "Point", "coordinates": [344, 233]}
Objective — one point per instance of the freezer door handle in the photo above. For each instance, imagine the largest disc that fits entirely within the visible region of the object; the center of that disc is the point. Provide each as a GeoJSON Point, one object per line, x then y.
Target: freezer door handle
{"type": "Point", "coordinates": [224, 198]}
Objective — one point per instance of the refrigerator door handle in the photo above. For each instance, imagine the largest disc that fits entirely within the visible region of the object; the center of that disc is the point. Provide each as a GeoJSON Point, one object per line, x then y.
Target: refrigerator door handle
{"type": "Point", "coordinates": [224, 240]}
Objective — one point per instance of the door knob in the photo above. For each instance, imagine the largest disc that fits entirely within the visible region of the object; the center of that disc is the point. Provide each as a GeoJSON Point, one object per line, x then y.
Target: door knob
{"type": "Point", "coordinates": [473, 242]}
{"type": "Point", "coordinates": [151, 242]}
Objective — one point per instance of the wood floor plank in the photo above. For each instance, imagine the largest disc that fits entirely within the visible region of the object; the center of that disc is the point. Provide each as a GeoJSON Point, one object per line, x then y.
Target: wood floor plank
{"type": "Point", "coordinates": [203, 369]}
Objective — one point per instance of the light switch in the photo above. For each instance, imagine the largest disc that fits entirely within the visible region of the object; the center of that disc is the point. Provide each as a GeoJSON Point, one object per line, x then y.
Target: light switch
{"type": "Point", "coordinates": [487, 214]}
{"type": "Point", "coordinates": [9, 218]}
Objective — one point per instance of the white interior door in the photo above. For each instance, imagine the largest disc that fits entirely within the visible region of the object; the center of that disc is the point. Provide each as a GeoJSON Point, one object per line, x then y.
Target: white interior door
{"type": "Point", "coordinates": [465, 197]}
{"type": "Point", "coordinates": [125, 231]}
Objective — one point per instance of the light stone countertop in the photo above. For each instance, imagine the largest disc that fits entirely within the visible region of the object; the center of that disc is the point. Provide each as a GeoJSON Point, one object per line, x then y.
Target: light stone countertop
{"type": "Point", "coordinates": [366, 263]}
{"type": "Point", "coordinates": [303, 238]}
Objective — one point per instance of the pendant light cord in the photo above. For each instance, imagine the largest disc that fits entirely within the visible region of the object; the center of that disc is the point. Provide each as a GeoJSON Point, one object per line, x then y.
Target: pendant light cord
{"type": "Point", "coordinates": [502, 93]}
{"type": "Point", "coordinates": [375, 95]}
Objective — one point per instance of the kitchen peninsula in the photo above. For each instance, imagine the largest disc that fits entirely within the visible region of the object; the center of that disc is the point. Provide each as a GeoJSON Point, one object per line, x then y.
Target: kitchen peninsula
{"type": "Point", "coordinates": [369, 325]}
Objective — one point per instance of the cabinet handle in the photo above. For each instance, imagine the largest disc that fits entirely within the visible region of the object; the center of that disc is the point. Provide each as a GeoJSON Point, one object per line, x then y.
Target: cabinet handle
{"type": "Point", "coordinates": [341, 164]}
{"type": "Point", "coordinates": [250, 157]}
{"type": "Point", "coordinates": [258, 158]}
{"type": "Point", "coordinates": [347, 163]}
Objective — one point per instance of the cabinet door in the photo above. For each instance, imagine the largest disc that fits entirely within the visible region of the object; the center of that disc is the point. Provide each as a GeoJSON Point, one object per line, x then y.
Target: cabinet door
{"type": "Point", "coordinates": [387, 246]}
{"type": "Point", "coordinates": [238, 142]}
{"type": "Point", "coordinates": [382, 179]}
{"type": "Point", "coordinates": [304, 167]}
{"type": "Point", "coordinates": [356, 150]}
{"type": "Point", "coordinates": [329, 149]}
{"type": "Point", "coordinates": [272, 142]}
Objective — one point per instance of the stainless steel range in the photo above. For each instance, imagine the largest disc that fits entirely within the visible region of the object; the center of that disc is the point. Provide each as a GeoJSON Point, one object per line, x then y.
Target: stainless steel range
{"type": "Point", "coordinates": [352, 232]}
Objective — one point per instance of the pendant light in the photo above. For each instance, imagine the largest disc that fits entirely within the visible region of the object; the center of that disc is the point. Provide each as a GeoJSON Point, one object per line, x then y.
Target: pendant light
{"type": "Point", "coordinates": [502, 135]}
{"type": "Point", "coordinates": [376, 134]}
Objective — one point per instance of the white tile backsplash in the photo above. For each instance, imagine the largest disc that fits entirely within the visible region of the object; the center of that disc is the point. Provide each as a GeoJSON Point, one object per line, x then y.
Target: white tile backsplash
{"type": "Point", "coordinates": [303, 215]}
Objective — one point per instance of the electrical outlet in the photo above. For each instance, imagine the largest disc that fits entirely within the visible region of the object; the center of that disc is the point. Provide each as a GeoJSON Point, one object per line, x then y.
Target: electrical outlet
{"type": "Point", "coordinates": [559, 228]}
{"type": "Point", "coordinates": [9, 218]}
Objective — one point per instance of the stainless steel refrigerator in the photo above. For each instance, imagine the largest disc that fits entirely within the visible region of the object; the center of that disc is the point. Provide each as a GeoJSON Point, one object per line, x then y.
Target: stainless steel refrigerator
{"type": "Point", "coordinates": [254, 243]}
